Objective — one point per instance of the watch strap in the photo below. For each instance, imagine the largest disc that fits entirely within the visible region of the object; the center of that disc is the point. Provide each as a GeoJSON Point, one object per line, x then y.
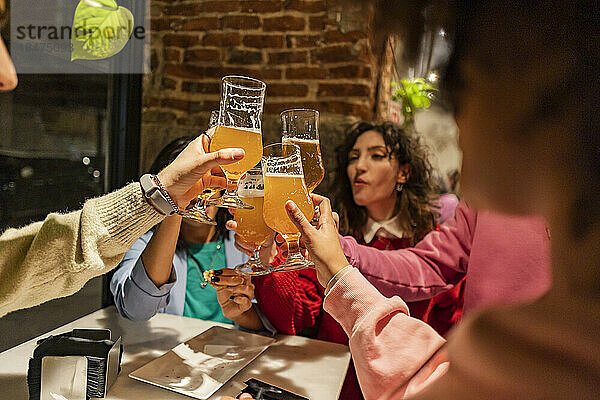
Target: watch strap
{"type": "Point", "coordinates": [156, 195]}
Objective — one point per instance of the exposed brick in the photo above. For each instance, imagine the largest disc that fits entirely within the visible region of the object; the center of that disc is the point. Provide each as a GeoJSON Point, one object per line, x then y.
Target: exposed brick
{"type": "Point", "coordinates": [184, 10]}
{"type": "Point", "coordinates": [169, 83]}
{"type": "Point", "coordinates": [317, 23]}
{"type": "Point", "coordinates": [299, 41]}
{"type": "Point", "coordinates": [221, 39]}
{"type": "Point", "coordinates": [350, 72]}
{"type": "Point", "coordinates": [359, 110]}
{"type": "Point", "coordinates": [185, 71]}
{"type": "Point", "coordinates": [305, 6]}
{"type": "Point", "coordinates": [150, 102]}
{"type": "Point", "coordinates": [333, 54]}
{"type": "Point", "coordinates": [276, 107]}
{"type": "Point", "coordinates": [153, 60]}
{"type": "Point", "coordinates": [288, 57]}
{"type": "Point", "coordinates": [182, 105]}
{"type": "Point", "coordinates": [194, 121]}
{"type": "Point", "coordinates": [261, 6]}
{"type": "Point", "coordinates": [306, 73]}
{"type": "Point", "coordinates": [220, 6]}
{"type": "Point", "coordinates": [258, 73]}
{"type": "Point", "coordinates": [202, 55]}
{"type": "Point", "coordinates": [156, 10]}
{"type": "Point", "coordinates": [283, 24]}
{"type": "Point", "coordinates": [172, 55]}
{"type": "Point", "coordinates": [180, 40]}
{"type": "Point", "coordinates": [263, 41]}
{"type": "Point", "coordinates": [160, 24]}
{"type": "Point", "coordinates": [343, 89]}
{"type": "Point", "coordinates": [244, 57]}
{"type": "Point", "coordinates": [286, 90]}
{"type": "Point", "coordinates": [335, 36]}
{"type": "Point", "coordinates": [201, 87]}
{"type": "Point", "coordinates": [240, 22]}
{"type": "Point", "coordinates": [200, 24]}
{"type": "Point", "coordinates": [158, 116]}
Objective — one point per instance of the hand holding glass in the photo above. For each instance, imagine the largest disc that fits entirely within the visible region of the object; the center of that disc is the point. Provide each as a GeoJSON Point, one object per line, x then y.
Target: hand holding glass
{"type": "Point", "coordinates": [239, 125]}
{"type": "Point", "coordinates": [301, 127]}
{"type": "Point", "coordinates": [251, 227]}
{"type": "Point", "coordinates": [284, 180]}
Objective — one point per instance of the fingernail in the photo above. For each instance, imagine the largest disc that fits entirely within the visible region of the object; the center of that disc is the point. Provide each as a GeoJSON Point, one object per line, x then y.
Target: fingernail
{"type": "Point", "coordinates": [218, 272]}
{"type": "Point", "coordinates": [238, 154]}
{"type": "Point", "coordinates": [231, 297]}
{"type": "Point", "coordinates": [290, 205]}
{"type": "Point", "coordinates": [215, 279]}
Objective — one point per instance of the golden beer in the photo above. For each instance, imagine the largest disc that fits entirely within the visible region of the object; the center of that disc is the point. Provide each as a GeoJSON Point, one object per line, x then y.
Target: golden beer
{"type": "Point", "coordinates": [312, 163]}
{"type": "Point", "coordinates": [251, 225]}
{"type": "Point", "coordinates": [228, 137]}
{"type": "Point", "coordinates": [279, 188]}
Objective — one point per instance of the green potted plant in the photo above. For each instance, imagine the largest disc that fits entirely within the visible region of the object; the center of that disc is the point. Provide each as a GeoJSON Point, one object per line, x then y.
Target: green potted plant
{"type": "Point", "coordinates": [413, 94]}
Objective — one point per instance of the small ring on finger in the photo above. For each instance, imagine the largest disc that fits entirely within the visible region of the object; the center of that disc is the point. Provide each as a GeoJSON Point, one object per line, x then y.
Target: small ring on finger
{"type": "Point", "coordinates": [206, 134]}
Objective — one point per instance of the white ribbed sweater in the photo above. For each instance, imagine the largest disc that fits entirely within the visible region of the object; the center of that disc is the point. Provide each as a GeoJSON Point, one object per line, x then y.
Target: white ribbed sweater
{"type": "Point", "coordinates": [56, 257]}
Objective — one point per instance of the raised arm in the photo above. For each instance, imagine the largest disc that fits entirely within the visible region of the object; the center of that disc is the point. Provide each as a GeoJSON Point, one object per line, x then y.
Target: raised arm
{"type": "Point", "coordinates": [389, 348]}
{"type": "Point", "coordinates": [143, 282]}
{"type": "Point", "coordinates": [56, 257]}
{"type": "Point", "coordinates": [434, 265]}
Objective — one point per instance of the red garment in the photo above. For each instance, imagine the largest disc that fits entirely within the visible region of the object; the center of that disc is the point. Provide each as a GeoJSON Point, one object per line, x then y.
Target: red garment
{"type": "Point", "coordinates": [292, 301]}
{"type": "Point", "coordinates": [441, 312]}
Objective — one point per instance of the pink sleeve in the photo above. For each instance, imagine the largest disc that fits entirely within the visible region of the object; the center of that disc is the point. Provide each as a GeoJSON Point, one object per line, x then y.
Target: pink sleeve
{"type": "Point", "coordinates": [389, 348]}
{"type": "Point", "coordinates": [435, 265]}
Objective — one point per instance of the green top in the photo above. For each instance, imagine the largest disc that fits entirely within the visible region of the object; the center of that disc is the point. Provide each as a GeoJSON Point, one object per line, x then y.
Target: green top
{"type": "Point", "coordinates": [202, 302]}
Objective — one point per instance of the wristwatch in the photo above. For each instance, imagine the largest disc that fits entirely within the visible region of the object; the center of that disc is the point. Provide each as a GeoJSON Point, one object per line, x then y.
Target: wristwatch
{"type": "Point", "coordinates": [157, 195]}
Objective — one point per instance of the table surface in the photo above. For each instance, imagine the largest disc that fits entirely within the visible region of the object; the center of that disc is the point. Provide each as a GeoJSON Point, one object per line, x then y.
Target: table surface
{"type": "Point", "coordinates": [311, 368]}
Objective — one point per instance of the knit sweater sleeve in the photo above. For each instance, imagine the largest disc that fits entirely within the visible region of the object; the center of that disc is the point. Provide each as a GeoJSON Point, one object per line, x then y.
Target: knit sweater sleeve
{"type": "Point", "coordinates": [389, 348]}
{"type": "Point", "coordinates": [290, 300]}
{"type": "Point", "coordinates": [56, 257]}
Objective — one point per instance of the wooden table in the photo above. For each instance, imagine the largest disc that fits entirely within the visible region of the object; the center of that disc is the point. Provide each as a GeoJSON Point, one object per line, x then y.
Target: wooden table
{"type": "Point", "coordinates": [311, 368]}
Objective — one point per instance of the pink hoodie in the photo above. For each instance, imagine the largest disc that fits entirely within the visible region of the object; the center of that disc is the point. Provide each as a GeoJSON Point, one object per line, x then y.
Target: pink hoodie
{"type": "Point", "coordinates": [506, 260]}
{"type": "Point", "coordinates": [544, 350]}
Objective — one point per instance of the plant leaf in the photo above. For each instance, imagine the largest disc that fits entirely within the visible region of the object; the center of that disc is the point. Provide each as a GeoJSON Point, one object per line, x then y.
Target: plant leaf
{"type": "Point", "coordinates": [100, 29]}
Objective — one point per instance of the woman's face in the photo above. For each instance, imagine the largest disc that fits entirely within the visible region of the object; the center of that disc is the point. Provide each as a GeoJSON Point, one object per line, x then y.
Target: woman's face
{"type": "Point", "coordinates": [373, 174]}
{"type": "Point", "coordinates": [8, 75]}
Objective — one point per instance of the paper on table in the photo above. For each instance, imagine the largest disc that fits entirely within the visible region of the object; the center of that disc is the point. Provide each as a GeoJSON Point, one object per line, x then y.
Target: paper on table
{"type": "Point", "coordinates": [200, 366]}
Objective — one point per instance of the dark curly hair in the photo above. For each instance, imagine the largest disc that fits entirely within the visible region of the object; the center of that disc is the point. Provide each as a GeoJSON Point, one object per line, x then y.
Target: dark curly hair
{"type": "Point", "coordinates": [416, 203]}
{"type": "Point", "coordinates": [166, 157]}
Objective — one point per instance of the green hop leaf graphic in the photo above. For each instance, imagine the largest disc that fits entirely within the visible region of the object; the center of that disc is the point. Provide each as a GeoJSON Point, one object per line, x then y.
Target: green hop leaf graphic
{"type": "Point", "coordinates": [100, 29]}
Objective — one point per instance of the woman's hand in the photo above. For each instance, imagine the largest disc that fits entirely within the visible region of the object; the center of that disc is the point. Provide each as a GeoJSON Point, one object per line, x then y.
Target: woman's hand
{"type": "Point", "coordinates": [267, 252]}
{"type": "Point", "coordinates": [243, 396]}
{"type": "Point", "coordinates": [322, 241]}
{"type": "Point", "coordinates": [234, 292]}
{"type": "Point", "coordinates": [187, 176]}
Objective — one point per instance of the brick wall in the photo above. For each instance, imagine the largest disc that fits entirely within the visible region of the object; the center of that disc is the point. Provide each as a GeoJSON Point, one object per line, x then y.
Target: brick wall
{"type": "Point", "coordinates": [311, 53]}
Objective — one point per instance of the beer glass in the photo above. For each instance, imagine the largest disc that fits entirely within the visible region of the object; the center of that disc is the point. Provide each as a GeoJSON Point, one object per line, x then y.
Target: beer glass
{"type": "Point", "coordinates": [251, 225]}
{"type": "Point", "coordinates": [198, 211]}
{"type": "Point", "coordinates": [301, 127]}
{"type": "Point", "coordinates": [239, 125]}
{"type": "Point", "coordinates": [284, 180]}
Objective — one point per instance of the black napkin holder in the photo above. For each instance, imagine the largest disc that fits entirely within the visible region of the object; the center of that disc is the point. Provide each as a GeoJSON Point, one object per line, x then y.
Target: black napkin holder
{"type": "Point", "coordinates": [77, 365]}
